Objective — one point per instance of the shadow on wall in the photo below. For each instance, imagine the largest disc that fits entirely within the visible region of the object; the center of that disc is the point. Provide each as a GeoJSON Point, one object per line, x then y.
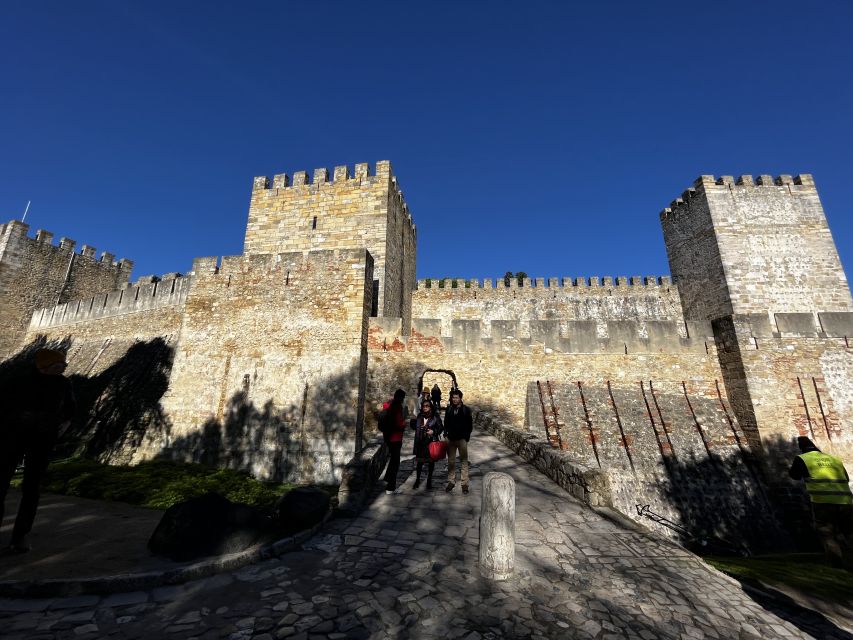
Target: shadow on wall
{"type": "Point", "coordinates": [308, 442]}
{"type": "Point", "coordinates": [119, 411]}
{"type": "Point", "coordinates": [117, 408]}
{"type": "Point", "coordinates": [762, 510]}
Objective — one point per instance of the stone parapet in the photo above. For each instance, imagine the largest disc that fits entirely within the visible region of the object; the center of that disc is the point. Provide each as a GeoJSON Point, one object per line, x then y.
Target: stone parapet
{"type": "Point", "coordinates": [149, 292]}
{"type": "Point", "coordinates": [359, 477]}
{"type": "Point", "coordinates": [593, 284]}
{"type": "Point", "coordinates": [547, 336]}
{"type": "Point", "coordinates": [591, 486]}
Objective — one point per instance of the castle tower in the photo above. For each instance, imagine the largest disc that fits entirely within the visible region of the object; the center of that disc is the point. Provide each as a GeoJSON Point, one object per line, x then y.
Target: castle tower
{"type": "Point", "coordinates": [757, 259]}
{"type": "Point", "coordinates": [35, 273]}
{"type": "Point", "coordinates": [745, 247]}
{"type": "Point", "coordinates": [361, 211]}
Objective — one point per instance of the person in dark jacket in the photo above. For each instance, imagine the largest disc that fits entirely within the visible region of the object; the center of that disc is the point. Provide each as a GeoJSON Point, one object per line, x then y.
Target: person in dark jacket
{"type": "Point", "coordinates": [37, 409]}
{"type": "Point", "coordinates": [458, 425]}
{"type": "Point", "coordinates": [428, 428]}
{"type": "Point", "coordinates": [393, 426]}
{"type": "Point", "coordinates": [435, 396]}
{"type": "Point", "coordinates": [828, 486]}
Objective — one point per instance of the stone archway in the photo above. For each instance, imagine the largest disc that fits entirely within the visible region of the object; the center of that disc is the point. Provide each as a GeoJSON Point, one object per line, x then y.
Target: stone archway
{"type": "Point", "coordinates": [453, 382]}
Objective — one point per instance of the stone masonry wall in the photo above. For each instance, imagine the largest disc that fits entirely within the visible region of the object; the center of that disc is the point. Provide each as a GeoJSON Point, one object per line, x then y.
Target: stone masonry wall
{"type": "Point", "coordinates": [34, 273]}
{"type": "Point", "coordinates": [147, 294]}
{"type": "Point", "coordinates": [561, 301]}
{"type": "Point", "coordinates": [494, 375]}
{"type": "Point", "coordinates": [267, 372]}
{"type": "Point", "coordinates": [750, 246]}
{"type": "Point", "coordinates": [794, 378]}
{"type": "Point", "coordinates": [346, 212]}
{"type": "Point", "coordinates": [658, 425]}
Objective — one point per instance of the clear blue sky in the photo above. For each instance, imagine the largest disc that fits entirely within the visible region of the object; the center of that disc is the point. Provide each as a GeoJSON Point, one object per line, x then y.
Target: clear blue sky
{"type": "Point", "coordinates": [535, 136]}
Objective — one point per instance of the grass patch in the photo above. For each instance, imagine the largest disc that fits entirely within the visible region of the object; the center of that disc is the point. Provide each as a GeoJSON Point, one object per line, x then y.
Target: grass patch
{"type": "Point", "coordinates": [157, 484]}
{"type": "Point", "coordinates": [808, 573]}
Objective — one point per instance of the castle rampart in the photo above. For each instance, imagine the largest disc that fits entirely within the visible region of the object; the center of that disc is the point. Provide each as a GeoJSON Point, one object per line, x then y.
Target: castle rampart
{"type": "Point", "coordinates": [267, 361]}
{"type": "Point", "coordinates": [548, 336]}
{"type": "Point", "coordinates": [531, 302]}
{"type": "Point", "coordinates": [149, 292]}
{"type": "Point", "coordinates": [35, 273]}
{"type": "Point", "coordinates": [267, 371]}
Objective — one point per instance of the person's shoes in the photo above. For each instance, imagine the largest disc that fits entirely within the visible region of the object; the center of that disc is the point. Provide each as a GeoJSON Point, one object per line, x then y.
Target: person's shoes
{"type": "Point", "coordinates": [465, 489]}
{"type": "Point", "coordinates": [417, 484]}
{"type": "Point", "coordinates": [429, 484]}
{"type": "Point", "coordinates": [449, 487]}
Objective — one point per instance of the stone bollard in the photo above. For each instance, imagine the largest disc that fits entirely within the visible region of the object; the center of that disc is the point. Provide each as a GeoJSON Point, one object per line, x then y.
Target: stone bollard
{"type": "Point", "coordinates": [497, 527]}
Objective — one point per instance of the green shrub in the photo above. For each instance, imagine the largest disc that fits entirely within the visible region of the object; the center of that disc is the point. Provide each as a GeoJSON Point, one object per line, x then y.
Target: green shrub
{"type": "Point", "coordinates": [157, 484]}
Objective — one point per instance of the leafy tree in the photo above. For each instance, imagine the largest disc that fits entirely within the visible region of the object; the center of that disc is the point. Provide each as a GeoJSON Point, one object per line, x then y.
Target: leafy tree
{"type": "Point", "coordinates": [519, 276]}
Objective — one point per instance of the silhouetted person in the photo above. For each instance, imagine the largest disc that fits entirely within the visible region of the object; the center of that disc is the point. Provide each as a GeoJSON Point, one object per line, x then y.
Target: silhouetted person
{"type": "Point", "coordinates": [35, 410]}
{"type": "Point", "coordinates": [393, 425]}
{"type": "Point", "coordinates": [435, 395]}
{"type": "Point", "coordinates": [828, 486]}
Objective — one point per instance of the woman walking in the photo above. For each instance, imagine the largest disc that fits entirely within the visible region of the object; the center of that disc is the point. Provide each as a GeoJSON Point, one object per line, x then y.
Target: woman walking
{"type": "Point", "coordinates": [428, 428]}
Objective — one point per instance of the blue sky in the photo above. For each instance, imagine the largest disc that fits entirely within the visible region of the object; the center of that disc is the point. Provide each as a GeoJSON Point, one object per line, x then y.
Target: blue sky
{"type": "Point", "coordinates": [535, 136]}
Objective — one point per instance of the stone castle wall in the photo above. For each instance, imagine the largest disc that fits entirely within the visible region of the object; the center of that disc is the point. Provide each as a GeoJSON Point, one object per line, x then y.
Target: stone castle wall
{"type": "Point", "coordinates": [494, 375]}
{"type": "Point", "coordinates": [270, 361]}
{"type": "Point", "coordinates": [148, 294]}
{"type": "Point", "coordinates": [347, 212]}
{"type": "Point", "coordinates": [267, 372]}
{"type": "Point", "coordinates": [753, 246]}
{"type": "Point", "coordinates": [563, 300]}
{"type": "Point", "coordinates": [35, 273]}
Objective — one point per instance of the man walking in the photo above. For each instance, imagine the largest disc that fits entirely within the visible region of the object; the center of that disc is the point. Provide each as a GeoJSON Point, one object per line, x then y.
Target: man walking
{"type": "Point", "coordinates": [832, 501]}
{"type": "Point", "coordinates": [36, 410]}
{"type": "Point", "coordinates": [458, 425]}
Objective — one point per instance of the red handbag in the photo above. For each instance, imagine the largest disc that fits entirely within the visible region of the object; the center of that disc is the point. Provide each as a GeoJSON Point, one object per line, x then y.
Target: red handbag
{"type": "Point", "coordinates": [437, 450]}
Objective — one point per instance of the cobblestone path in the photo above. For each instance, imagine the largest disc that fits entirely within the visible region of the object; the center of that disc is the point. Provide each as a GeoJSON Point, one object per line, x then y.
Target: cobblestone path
{"type": "Point", "coordinates": [407, 568]}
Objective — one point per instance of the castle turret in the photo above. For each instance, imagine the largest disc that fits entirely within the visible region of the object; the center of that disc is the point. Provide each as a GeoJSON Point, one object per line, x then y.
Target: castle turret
{"type": "Point", "coordinates": [753, 246]}
{"type": "Point", "coordinates": [359, 211]}
{"type": "Point", "coordinates": [756, 257]}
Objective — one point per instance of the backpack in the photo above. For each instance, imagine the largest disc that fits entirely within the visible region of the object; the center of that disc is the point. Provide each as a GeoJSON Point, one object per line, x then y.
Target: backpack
{"type": "Point", "coordinates": [386, 422]}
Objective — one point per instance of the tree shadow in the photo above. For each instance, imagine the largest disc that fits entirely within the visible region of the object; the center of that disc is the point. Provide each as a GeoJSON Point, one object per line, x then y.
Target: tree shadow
{"type": "Point", "coordinates": [307, 442]}
{"type": "Point", "coordinates": [119, 408]}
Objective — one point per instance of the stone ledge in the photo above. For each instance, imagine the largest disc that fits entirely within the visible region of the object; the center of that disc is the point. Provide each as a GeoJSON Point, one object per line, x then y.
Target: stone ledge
{"type": "Point", "coordinates": [124, 583]}
{"type": "Point", "coordinates": [590, 486]}
{"type": "Point", "coordinates": [360, 476]}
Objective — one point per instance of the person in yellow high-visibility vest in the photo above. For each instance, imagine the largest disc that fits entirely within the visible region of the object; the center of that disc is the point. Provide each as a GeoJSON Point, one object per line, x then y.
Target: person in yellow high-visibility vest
{"type": "Point", "coordinates": [828, 486]}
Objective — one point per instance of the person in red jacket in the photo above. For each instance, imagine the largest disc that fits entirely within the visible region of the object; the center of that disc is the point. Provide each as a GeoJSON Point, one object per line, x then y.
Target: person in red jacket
{"type": "Point", "coordinates": [392, 423]}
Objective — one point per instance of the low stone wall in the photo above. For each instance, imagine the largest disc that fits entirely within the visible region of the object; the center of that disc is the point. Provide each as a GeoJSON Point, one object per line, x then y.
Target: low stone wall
{"type": "Point", "coordinates": [586, 484]}
{"type": "Point", "coordinates": [360, 476]}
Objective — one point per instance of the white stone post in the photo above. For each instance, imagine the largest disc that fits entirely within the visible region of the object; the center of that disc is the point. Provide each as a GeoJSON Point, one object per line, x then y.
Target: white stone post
{"type": "Point", "coordinates": [497, 527]}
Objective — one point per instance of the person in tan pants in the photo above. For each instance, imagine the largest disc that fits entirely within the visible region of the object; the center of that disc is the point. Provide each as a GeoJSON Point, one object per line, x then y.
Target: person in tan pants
{"type": "Point", "coordinates": [458, 425]}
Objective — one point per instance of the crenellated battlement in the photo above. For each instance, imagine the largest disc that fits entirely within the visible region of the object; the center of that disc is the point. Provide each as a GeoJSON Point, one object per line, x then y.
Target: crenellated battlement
{"type": "Point", "coordinates": [283, 184]}
{"type": "Point", "coordinates": [706, 183]}
{"type": "Point", "coordinates": [546, 336]}
{"type": "Point", "coordinates": [549, 285]}
{"type": "Point", "coordinates": [147, 293]}
{"type": "Point", "coordinates": [44, 238]}
{"type": "Point", "coordinates": [340, 175]}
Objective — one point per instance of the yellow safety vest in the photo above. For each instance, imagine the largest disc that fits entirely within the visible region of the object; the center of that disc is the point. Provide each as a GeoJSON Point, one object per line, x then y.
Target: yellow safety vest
{"type": "Point", "coordinates": [826, 483]}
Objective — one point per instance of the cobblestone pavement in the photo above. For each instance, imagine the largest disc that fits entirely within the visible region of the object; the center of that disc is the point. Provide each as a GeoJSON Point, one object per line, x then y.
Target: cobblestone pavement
{"type": "Point", "coordinates": [407, 568]}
